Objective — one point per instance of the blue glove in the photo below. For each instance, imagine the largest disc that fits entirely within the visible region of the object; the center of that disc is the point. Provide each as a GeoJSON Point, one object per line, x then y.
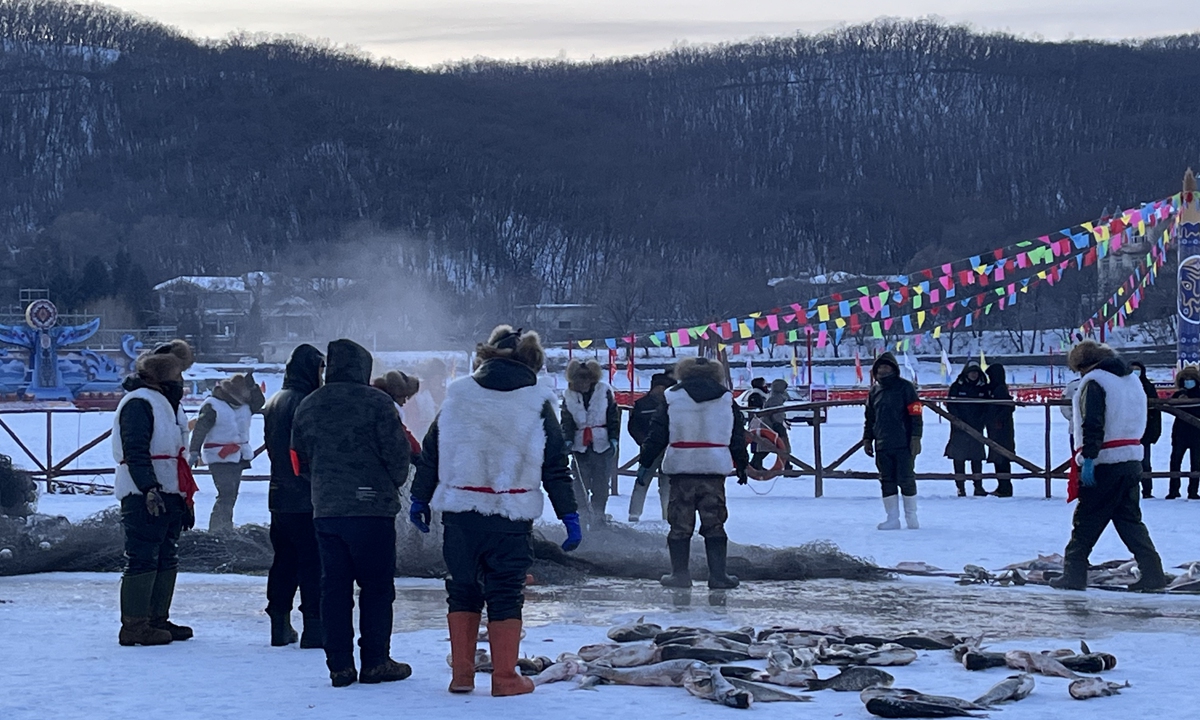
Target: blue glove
{"type": "Point", "coordinates": [574, 532]}
{"type": "Point", "coordinates": [643, 477]}
{"type": "Point", "coordinates": [420, 515]}
{"type": "Point", "coordinates": [1087, 473]}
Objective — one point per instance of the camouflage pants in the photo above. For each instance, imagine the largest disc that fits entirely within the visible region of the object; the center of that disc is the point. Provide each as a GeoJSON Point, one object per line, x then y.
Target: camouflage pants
{"type": "Point", "coordinates": [692, 494]}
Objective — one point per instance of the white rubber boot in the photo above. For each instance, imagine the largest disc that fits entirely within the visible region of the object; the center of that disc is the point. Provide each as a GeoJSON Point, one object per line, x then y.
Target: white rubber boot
{"type": "Point", "coordinates": [891, 504]}
{"type": "Point", "coordinates": [910, 512]}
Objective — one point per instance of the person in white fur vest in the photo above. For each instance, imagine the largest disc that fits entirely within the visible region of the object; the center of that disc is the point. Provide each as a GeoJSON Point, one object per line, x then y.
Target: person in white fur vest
{"type": "Point", "coordinates": [221, 439]}
{"type": "Point", "coordinates": [1109, 419]}
{"type": "Point", "coordinates": [701, 435]}
{"type": "Point", "coordinates": [591, 424]}
{"type": "Point", "coordinates": [493, 448]}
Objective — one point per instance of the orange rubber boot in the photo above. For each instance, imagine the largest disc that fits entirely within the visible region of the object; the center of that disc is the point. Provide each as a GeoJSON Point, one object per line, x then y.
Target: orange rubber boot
{"type": "Point", "coordinates": [464, 631]}
{"type": "Point", "coordinates": [505, 638]}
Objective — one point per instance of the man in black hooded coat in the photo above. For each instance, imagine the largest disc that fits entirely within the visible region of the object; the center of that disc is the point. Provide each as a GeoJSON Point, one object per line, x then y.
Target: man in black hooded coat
{"type": "Point", "coordinates": [892, 431]}
{"type": "Point", "coordinates": [971, 385]}
{"type": "Point", "coordinates": [296, 563]}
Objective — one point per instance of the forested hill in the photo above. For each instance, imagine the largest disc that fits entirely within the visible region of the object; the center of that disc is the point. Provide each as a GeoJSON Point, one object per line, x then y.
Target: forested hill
{"type": "Point", "coordinates": [670, 186]}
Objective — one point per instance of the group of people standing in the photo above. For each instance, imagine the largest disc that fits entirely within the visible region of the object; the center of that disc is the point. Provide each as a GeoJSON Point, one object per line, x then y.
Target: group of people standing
{"type": "Point", "coordinates": [966, 402]}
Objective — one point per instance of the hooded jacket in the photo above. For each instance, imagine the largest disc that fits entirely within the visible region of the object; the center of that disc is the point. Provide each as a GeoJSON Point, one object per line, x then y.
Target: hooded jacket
{"type": "Point", "coordinates": [778, 397]}
{"type": "Point", "coordinates": [893, 416]}
{"type": "Point", "coordinates": [1182, 432]}
{"type": "Point", "coordinates": [290, 493]}
{"type": "Point", "coordinates": [1000, 417]}
{"type": "Point", "coordinates": [348, 440]}
{"type": "Point", "coordinates": [962, 446]}
{"type": "Point", "coordinates": [697, 387]}
{"type": "Point", "coordinates": [1153, 415]}
{"type": "Point", "coordinates": [503, 378]}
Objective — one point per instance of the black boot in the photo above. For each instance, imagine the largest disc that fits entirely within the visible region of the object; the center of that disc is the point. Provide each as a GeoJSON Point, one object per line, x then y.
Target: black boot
{"type": "Point", "coordinates": [979, 491]}
{"type": "Point", "coordinates": [160, 606]}
{"type": "Point", "coordinates": [681, 576]}
{"type": "Point", "coordinates": [1194, 489]}
{"type": "Point", "coordinates": [1153, 578]}
{"type": "Point", "coordinates": [716, 549]}
{"type": "Point", "coordinates": [962, 487]}
{"type": "Point", "coordinates": [1173, 491]}
{"type": "Point", "coordinates": [313, 637]}
{"type": "Point", "coordinates": [282, 632]}
{"type": "Point", "coordinates": [1071, 579]}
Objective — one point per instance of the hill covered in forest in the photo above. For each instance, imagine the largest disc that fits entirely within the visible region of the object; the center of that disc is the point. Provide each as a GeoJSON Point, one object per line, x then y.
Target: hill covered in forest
{"type": "Point", "coordinates": [668, 187]}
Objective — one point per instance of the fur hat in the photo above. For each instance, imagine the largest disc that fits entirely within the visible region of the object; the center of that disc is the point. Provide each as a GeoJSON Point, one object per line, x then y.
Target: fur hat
{"type": "Point", "coordinates": [165, 362]}
{"type": "Point", "coordinates": [524, 346]}
{"type": "Point", "coordinates": [695, 368]}
{"type": "Point", "coordinates": [1191, 372]}
{"type": "Point", "coordinates": [239, 388]}
{"type": "Point", "coordinates": [1087, 355]}
{"type": "Point", "coordinates": [759, 383]}
{"type": "Point", "coordinates": [400, 386]}
{"type": "Point", "coordinates": [583, 374]}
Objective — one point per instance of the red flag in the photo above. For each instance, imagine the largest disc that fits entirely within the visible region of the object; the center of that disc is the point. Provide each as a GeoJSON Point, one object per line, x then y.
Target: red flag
{"type": "Point", "coordinates": [612, 364]}
{"type": "Point", "coordinates": [858, 374]}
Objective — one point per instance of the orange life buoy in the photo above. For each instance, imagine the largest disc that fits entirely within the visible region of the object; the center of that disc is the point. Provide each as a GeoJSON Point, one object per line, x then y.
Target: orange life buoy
{"type": "Point", "coordinates": [758, 432]}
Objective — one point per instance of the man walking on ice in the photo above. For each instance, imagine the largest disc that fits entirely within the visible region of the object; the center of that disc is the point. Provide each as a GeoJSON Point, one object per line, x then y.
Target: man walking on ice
{"type": "Point", "coordinates": [1108, 421]}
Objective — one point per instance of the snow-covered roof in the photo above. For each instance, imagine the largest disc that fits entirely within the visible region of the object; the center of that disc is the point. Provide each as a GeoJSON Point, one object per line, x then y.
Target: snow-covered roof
{"type": "Point", "coordinates": [210, 283]}
{"type": "Point", "coordinates": [834, 278]}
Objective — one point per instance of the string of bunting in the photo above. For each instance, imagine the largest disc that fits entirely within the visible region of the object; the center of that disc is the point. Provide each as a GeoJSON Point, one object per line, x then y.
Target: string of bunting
{"type": "Point", "coordinates": [912, 299]}
{"type": "Point", "coordinates": [1128, 297]}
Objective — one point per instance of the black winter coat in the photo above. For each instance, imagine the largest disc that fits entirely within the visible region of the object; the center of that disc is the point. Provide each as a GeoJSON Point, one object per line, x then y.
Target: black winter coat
{"type": "Point", "coordinates": [893, 416]}
{"type": "Point", "coordinates": [962, 446]}
{"type": "Point", "coordinates": [504, 375]}
{"type": "Point", "coordinates": [641, 415]}
{"type": "Point", "coordinates": [1184, 434]}
{"type": "Point", "coordinates": [1153, 416]}
{"type": "Point", "coordinates": [349, 441]}
{"type": "Point", "coordinates": [290, 493]}
{"type": "Point", "coordinates": [1000, 418]}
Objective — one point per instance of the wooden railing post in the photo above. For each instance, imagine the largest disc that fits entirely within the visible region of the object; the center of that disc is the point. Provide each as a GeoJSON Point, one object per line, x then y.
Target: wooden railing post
{"type": "Point", "coordinates": [49, 452]}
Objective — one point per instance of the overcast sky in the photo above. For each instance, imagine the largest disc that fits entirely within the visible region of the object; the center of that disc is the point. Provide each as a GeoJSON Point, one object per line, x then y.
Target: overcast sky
{"type": "Point", "coordinates": [426, 32]}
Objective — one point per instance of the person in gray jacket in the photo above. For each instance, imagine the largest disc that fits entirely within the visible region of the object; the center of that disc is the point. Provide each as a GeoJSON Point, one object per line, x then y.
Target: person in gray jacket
{"type": "Point", "coordinates": [348, 441]}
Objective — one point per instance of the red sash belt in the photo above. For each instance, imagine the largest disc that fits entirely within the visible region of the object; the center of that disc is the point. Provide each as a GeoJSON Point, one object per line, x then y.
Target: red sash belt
{"type": "Point", "coordinates": [587, 434]}
{"type": "Point", "coordinates": [1073, 473]}
{"type": "Point", "coordinates": [683, 445]}
{"type": "Point", "coordinates": [226, 449]}
{"type": "Point", "coordinates": [491, 491]}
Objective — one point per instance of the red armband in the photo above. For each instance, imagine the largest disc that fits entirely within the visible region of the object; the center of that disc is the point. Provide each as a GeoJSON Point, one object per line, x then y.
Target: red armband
{"type": "Point", "coordinates": [295, 463]}
{"type": "Point", "coordinates": [914, 408]}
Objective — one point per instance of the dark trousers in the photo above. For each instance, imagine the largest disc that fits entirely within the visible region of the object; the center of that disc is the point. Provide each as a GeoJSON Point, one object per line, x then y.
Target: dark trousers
{"type": "Point", "coordinates": [1178, 450]}
{"type": "Point", "coordinates": [1004, 487]}
{"type": "Point", "coordinates": [362, 550]}
{"type": "Point", "coordinates": [960, 468]}
{"type": "Point", "coordinates": [486, 567]}
{"type": "Point", "coordinates": [297, 564]}
{"type": "Point", "coordinates": [896, 472]}
{"type": "Point", "coordinates": [692, 495]}
{"type": "Point", "coordinates": [1114, 498]}
{"type": "Point", "coordinates": [595, 472]}
{"type": "Point", "coordinates": [1147, 482]}
{"type": "Point", "coordinates": [151, 543]}
{"type": "Point", "coordinates": [227, 478]}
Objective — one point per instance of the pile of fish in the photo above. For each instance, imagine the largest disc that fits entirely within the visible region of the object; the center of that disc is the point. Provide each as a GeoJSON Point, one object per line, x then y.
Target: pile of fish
{"type": "Point", "coordinates": [1110, 575]}
{"type": "Point", "coordinates": [726, 667]}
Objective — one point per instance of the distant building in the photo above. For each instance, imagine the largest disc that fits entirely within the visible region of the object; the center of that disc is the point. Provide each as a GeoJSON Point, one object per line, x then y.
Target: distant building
{"type": "Point", "coordinates": [559, 323]}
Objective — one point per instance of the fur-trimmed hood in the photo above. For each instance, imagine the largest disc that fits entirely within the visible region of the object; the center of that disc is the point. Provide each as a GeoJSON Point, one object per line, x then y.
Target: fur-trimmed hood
{"type": "Point", "coordinates": [523, 346]}
{"type": "Point", "coordinates": [1190, 372]}
{"type": "Point", "coordinates": [165, 362]}
{"type": "Point", "coordinates": [582, 375]}
{"type": "Point", "coordinates": [1087, 355]}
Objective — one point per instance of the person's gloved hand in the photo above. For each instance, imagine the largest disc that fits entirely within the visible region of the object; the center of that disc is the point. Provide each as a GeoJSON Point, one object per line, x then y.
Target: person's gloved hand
{"type": "Point", "coordinates": [194, 459]}
{"type": "Point", "coordinates": [154, 502]}
{"type": "Point", "coordinates": [1087, 473]}
{"type": "Point", "coordinates": [869, 448]}
{"type": "Point", "coordinates": [189, 517]}
{"type": "Point", "coordinates": [643, 477]}
{"type": "Point", "coordinates": [574, 532]}
{"type": "Point", "coordinates": [915, 446]}
{"type": "Point", "coordinates": [420, 515]}
{"type": "Point", "coordinates": [743, 479]}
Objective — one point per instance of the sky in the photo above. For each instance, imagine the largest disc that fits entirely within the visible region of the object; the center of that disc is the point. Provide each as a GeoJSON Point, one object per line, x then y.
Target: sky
{"type": "Point", "coordinates": [428, 32]}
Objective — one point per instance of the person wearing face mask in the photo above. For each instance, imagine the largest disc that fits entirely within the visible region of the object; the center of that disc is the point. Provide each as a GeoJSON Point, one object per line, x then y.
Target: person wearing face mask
{"type": "Point", "coordinates": [155, 487]}
{"type": "Point", "coordinates": [1185, 437]}
{"type": "Point", "coordinates": [296, 563]}
{"type": "Point", "coordinates": [892, 435]}
{"type": "Point", "coordinates": [971, 384]}
{"type": "Point", "coordinates": [1109, 418]}
{"type": "Point", "coordinates": [1153, 428]}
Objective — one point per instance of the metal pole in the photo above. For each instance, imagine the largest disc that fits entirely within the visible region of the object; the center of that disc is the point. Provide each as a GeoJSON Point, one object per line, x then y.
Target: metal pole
{"type": "Point", "coordinates": [1049, 469]}
{"type": "Point", "coordinates": [570, 347]}
{"type": "Point", "coordinates": [808, 339]}
{"type": "Point", "coordinates": [818, 469]}
{"type": "Point", "coordinates": [49, 452]}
